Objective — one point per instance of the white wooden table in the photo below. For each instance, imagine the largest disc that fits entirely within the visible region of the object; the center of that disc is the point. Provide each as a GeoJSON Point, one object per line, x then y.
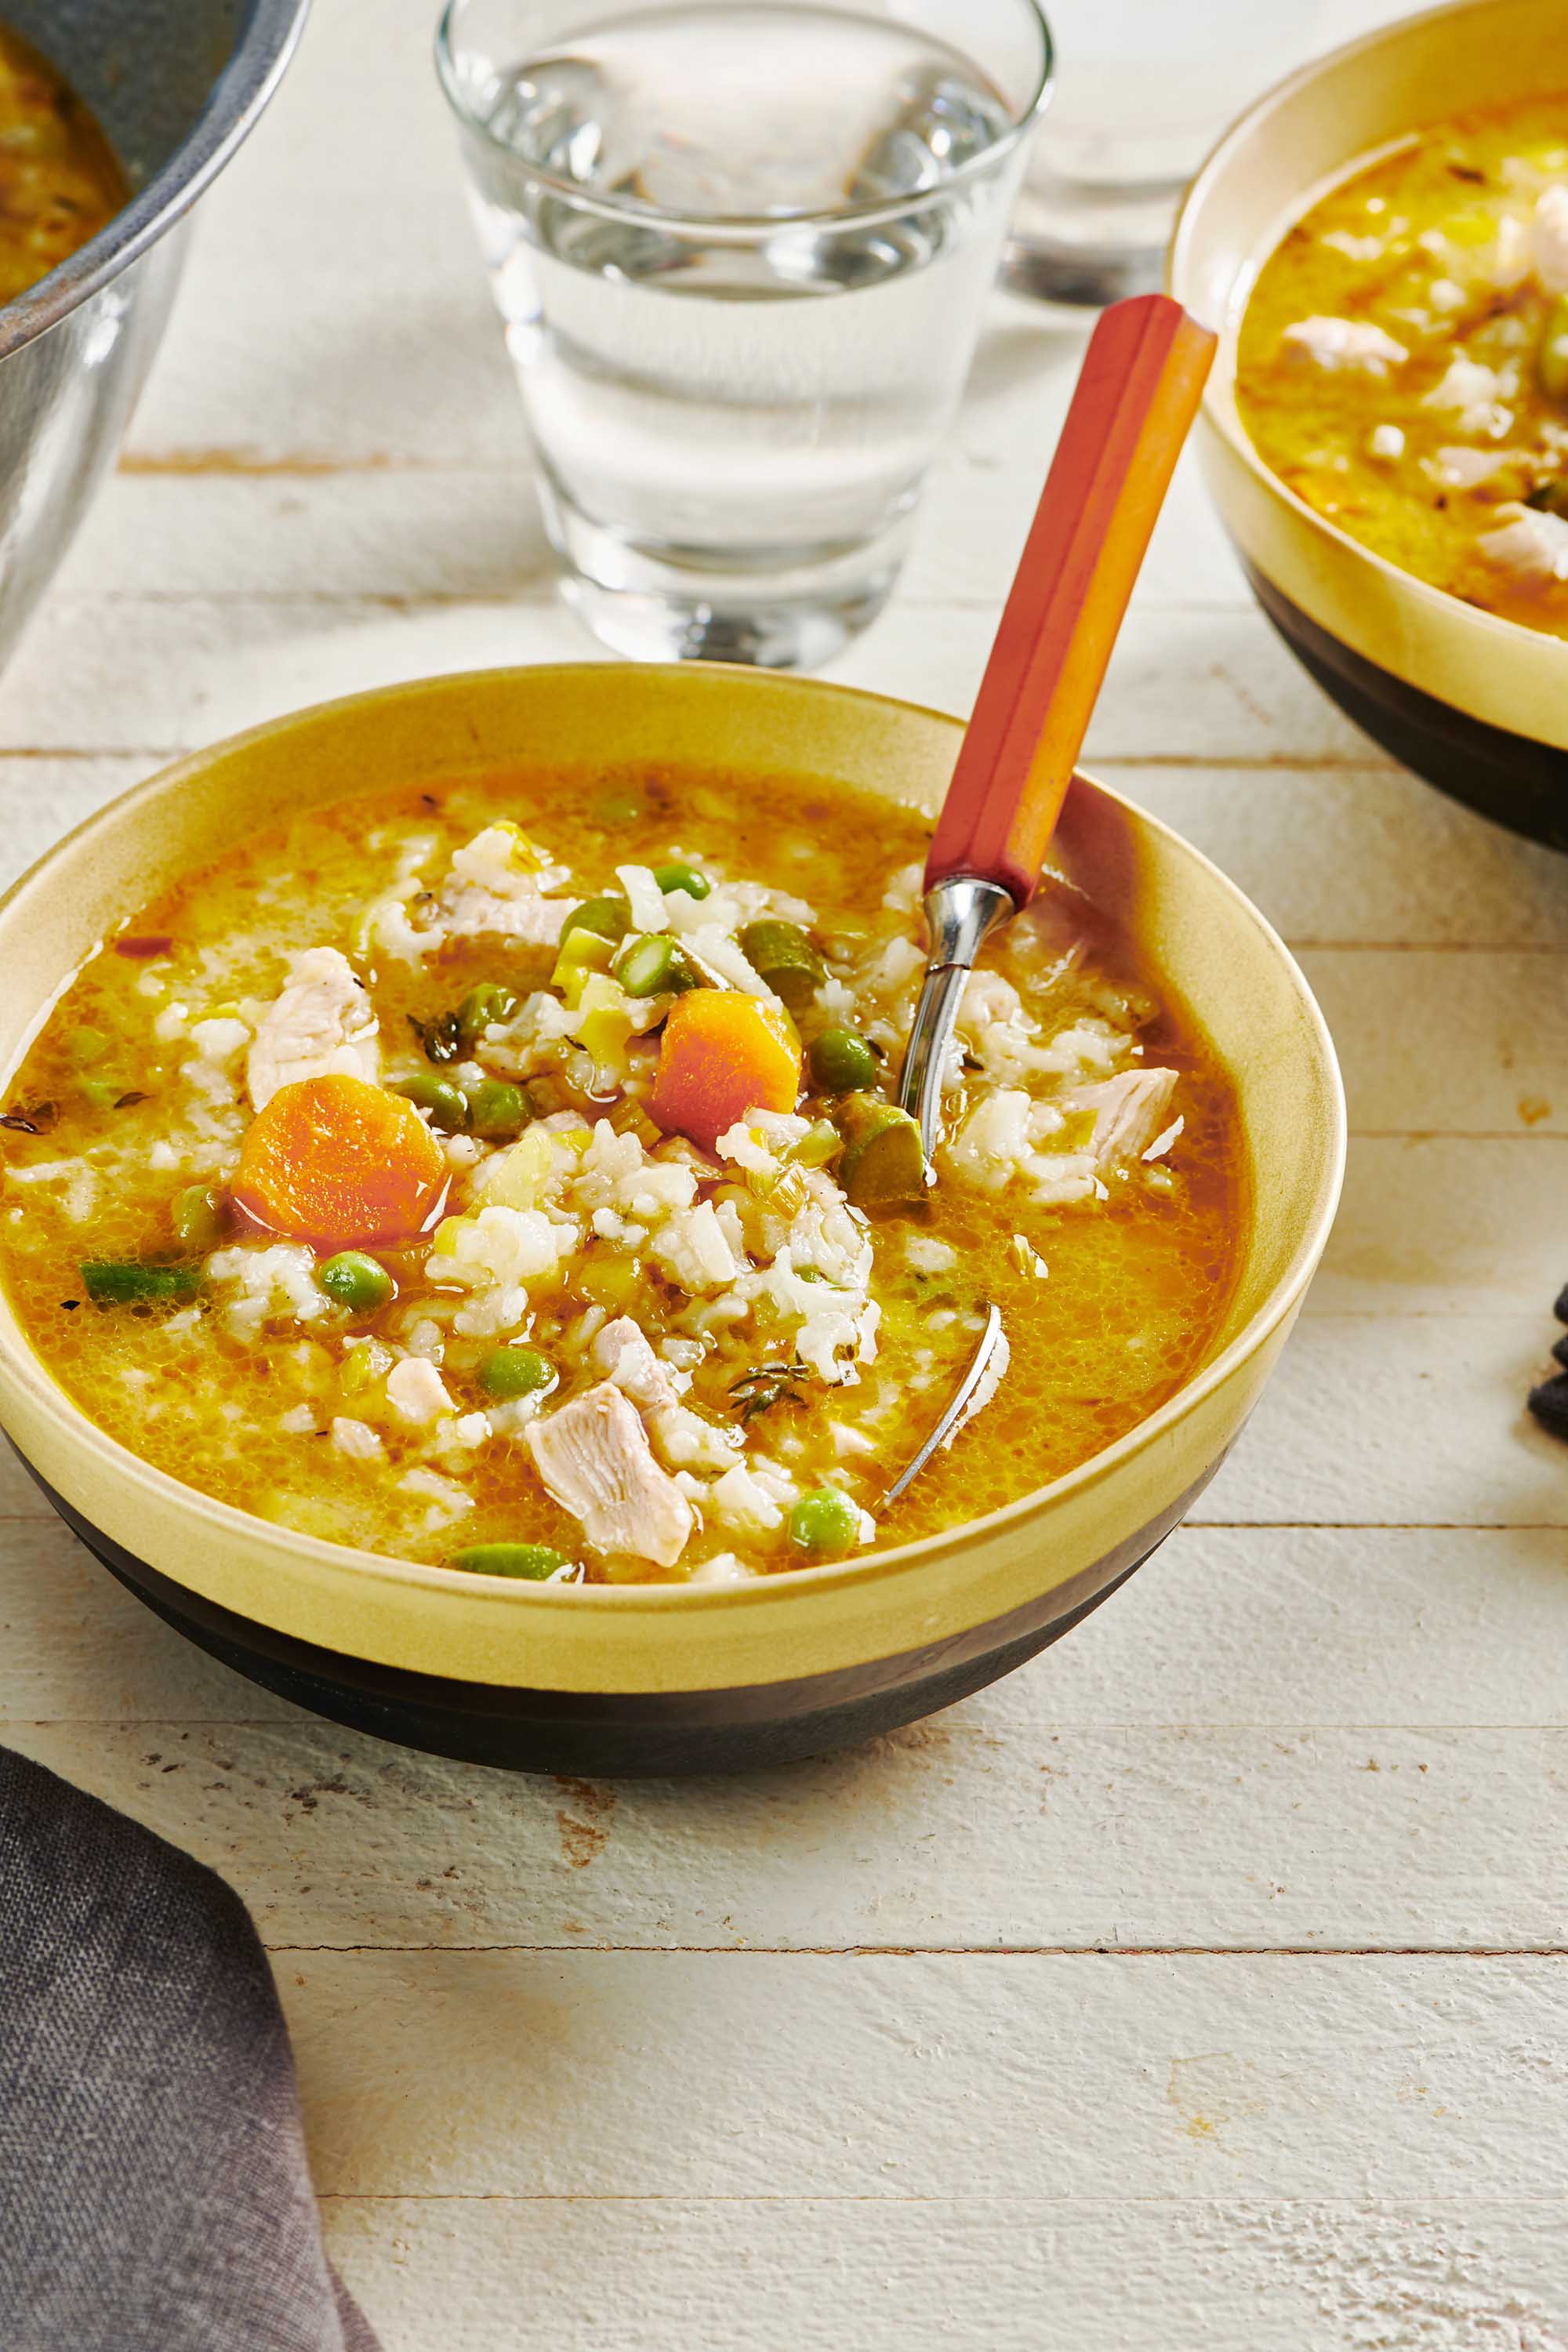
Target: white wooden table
{"type": "Point", "coordinates": [1203, 1984]}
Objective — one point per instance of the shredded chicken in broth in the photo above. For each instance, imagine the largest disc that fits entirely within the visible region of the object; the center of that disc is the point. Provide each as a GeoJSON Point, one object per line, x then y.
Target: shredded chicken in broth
{"type": "Point", "coordinates": [1403, 360]}
{"type": "Point", "coordinates": [503, 1175]}
{"type": "Point", "coordinates": [59, 183]}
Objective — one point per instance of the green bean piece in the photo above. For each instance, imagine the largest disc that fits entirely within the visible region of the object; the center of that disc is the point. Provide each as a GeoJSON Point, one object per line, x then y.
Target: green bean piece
{"type": "Point", "coordinates": [442, 1097]}
{"type": "Point", "coordinates": [508, 1372]}
{"type": "Point", "coordinates": [823, 1523]}
{"type": "Point", "coordinates": [842, 1061]}
{"type": "Point", "coordinates": [679, 876]}
{"type": "Point", "coordinates": [199, 1217]}
{"type": "Point", "coordinates": [101, 1093]}
{"type": "Point", "coordinates": [112, 1282]}
{"type": "Point", "coordinates": [1551, 359]}
{"type": "Point", "coordinates": [86, 1045]}
{"type": "Point", "coordinates": [534, 1562]}
{"type": "Point", "coordinates": [360, 1284]}
{"type": "Point", "coordinates": [652, 965]}
{"type": "Point", "coordinates": [611, 919]}
{"type": "Point", "coordinates": [781, 954]}
{"type": "Point", "coordinates": [497, 1110]}
{"type": "Point", "coordinates": [882, 1161]}
{"type": "Point", "coordinates": [487, 1005]}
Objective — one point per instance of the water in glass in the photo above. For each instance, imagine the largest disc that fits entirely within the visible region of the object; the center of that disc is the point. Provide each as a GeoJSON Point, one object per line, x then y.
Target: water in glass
{"type": "Point", "coordinates": [741, 253]}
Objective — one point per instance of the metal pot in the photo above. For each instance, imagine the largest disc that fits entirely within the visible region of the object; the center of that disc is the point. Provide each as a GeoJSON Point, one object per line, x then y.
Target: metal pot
{"type": "Point", "coordinates": [176, 84]}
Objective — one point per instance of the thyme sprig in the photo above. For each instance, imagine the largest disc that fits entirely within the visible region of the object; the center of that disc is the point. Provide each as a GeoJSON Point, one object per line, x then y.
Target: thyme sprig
{"type": "Point", "coordinates": [766, 1385]}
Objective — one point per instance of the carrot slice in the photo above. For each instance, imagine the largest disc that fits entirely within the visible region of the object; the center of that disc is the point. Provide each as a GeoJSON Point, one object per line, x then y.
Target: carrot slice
{"type": "Point", "coordinates": [723, 1055]}
{"type": "Point", "coordinates": [340, 1162]}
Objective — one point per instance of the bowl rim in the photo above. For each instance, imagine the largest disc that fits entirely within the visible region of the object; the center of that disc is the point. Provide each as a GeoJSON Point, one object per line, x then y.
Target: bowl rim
{"type": "Point", "coordinates": [1219, 411]}
{"type": "Point", "coordinates": [75, 1426]}
{"type": "Point", "coordinates": [238, 96]}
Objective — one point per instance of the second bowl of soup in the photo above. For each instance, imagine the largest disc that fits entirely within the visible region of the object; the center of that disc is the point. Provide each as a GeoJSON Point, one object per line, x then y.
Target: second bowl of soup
{"type": "Point", "coordinates": [462, 1261]}
{"type": "Point", "coordinates": [1385, 241]}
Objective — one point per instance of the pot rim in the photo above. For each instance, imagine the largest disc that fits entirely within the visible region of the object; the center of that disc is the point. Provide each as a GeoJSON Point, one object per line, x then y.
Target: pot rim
{"type": "Point", "coordinates": [1219, 411]}
{"type": "Point", "coordinates": [233, 105]}
{"type": "Point", "coordinates": [73, 1425]}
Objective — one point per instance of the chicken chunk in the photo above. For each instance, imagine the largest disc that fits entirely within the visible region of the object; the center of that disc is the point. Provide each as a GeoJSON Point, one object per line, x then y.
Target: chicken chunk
{"type": "Point", "coordinates": [1532, 547]}
{"type": "Point", "coordinates": [595, 1458]}
{"type": "Point", "coordinates": [622, 1353]}
{"type": "Point", "coordinates": [417, 1392]}
{"type": "Point", "coordinates": [322, 1025]}
{"type": "Point", "coordinates": [1474, 394]}
{"type": "Point", "coordinates": [1128, 1113]}
{"type": "Point", "coordinates": [526, 916]}
{"type": "Point", "coordinates": [1339, 345]}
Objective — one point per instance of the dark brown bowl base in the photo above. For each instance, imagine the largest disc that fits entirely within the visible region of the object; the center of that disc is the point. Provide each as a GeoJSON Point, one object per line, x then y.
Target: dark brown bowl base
{"type": "Point", "coordinates": [595, 1734]}
{"type": "Point", "coordinates": [1510, 778]}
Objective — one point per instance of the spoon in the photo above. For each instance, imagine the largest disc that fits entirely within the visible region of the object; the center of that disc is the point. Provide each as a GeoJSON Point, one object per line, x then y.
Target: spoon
{"type": "Point", "coordinates": [1137, 394]}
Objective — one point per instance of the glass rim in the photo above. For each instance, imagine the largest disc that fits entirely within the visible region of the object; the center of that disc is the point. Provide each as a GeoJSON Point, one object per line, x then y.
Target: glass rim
{"type": "Point", "coordinates": [756, 226]}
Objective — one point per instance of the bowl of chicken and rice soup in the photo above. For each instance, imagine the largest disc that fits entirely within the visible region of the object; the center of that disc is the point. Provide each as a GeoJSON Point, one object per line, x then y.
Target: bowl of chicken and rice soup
{"type": "Point", "coordinates": [463, 1261]}
{"type": "Point", "coordinates": [1382, 242]}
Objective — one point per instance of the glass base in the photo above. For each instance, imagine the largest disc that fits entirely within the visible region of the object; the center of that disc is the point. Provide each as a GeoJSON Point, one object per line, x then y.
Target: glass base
{"type": "Point", "coordinates": [1084, 245]}
{"type": "Point", "coordinates": [728, 606]}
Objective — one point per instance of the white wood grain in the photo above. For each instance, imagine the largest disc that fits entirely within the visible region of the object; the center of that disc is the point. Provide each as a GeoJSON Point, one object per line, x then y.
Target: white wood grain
{"type": "Point", "coordinates": [989, 1826]}
{"type": "Point", "coordinates": [639, 2075]}
{"type": "Point", "coordinates": [1226, 2274]}
{"type": "Point", "coordinates": [132, 674]}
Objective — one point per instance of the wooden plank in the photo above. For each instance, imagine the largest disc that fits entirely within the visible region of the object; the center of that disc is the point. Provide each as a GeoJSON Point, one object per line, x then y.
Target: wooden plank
{"type": "Point", "coordinates": [641, 2075]}
{"type": "Point", "coordinates": [1473, 1044]}
{"type": "Point", "coordinates": [1228, 2274]}
{"type": "Point", "coordinates": [986, 1827]}
{"type": "Point", "coordinates": [1227, 1626]}
{"type": "Point", "coordinates": [1360, 856]}
{"type": "Point", "coordinates": [1449, 1226]}
{"type": "Point", "coordinates": [461, 528]}
{"type": "Point", "coordinates": [126, 675]}
{"type": "Point", "coordinates": [1400, 1420]}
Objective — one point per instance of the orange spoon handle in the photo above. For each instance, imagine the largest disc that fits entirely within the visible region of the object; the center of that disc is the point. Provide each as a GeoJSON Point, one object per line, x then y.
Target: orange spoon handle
{"type": "Point", "coordinates": [1137, 392]}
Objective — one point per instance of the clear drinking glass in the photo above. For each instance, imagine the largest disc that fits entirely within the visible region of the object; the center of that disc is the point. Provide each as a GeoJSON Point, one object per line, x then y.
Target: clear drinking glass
{"type": "Point", "coordinates": [1143, 89]}
{"type": "Point", "coordinates": [741, 249]}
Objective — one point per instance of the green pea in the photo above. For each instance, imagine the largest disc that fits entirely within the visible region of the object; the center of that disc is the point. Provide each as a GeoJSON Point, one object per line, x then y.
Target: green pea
{"type": "Point", "coordinates": [497, 1110]}
{"type": "Point", "coordinates": [882, 1161]}
{"type": "Point", "coordinates": [115, 1283]}
{"type": "Point", "coordinates": [532, 1561]}
{"type": "Point", "coordinates": [442, 1097]}
{"type": "Point", "coordinates": [491, 1002]}
{"type": "Point", "coordinates": [85, 1045]}
{"type": "Point", "coordinates": [618, 808]}
{"type": "Point", "coordinates": [360, 1284]}
{"type": "Point", "coordinates": [199, 1217]}
{"type": "Point", "coordinates": [1551, 359]}
{"type": "Point", "coordinates": [516, 1372]}
{"type": "Point", "coordinates": [652, 965]}
{"type": "Point", "coordinates": [842, 1061]}
{"type": "Point", "coordinates": [610, 919]}
{"type": "Point", "coordinates": [679, 876]}
{"type": "Point", "coordinates": [782, 954]}
{"type": "Point", "coordinates": [823, 1523]}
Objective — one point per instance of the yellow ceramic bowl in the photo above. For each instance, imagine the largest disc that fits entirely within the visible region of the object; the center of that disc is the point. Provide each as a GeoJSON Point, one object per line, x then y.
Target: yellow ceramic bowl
{"type": "Point", "coordinates": [667, 1678]}
{"type": "Point", "coordinates": [1476, 704]}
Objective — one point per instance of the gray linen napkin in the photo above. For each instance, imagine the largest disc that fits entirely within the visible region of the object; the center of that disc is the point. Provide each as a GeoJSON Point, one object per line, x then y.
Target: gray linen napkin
{"type": "Point", "coordinates": [153, 2190]}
